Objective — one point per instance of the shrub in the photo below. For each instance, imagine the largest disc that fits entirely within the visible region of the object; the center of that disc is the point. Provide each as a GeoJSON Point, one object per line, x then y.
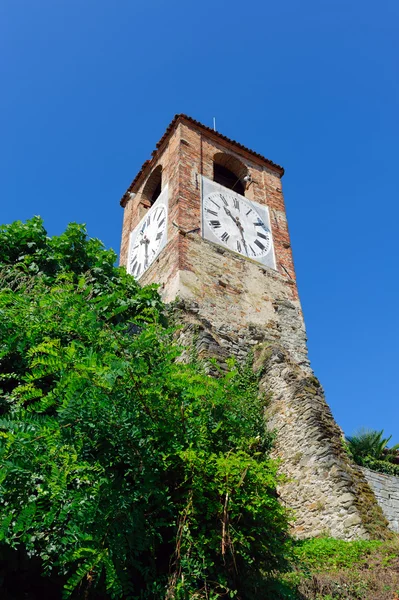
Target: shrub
{"type": "Point", "coordinates": [125, 473]}
{"type": "Point", "coordinates": [368, 442]}
{"type": "Point", "coordinates": [381, 466]}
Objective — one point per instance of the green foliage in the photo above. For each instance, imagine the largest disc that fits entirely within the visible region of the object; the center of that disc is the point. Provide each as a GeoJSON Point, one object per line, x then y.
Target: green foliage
{"type": "Point", "coordinates": [381, 466]}
{"type": "Point", "coordinates": [371, 443]}
{"type": "Point", "coordinates": [329, 554]}
{"type": "Point", "coordinates": [125, 474]}
{"type": "Point", "coordinates": [326, 568]}
{"type": "Point", "coordinates": [27, 246]}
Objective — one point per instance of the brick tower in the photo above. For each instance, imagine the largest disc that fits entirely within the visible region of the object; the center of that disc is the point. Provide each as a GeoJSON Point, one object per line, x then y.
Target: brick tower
{"type": "Point", "coordinates": [205, 218]}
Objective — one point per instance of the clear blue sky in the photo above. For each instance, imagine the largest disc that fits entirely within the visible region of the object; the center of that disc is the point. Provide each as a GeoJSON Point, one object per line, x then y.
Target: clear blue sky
{"type": "Point", "coordinates": [88, 87]}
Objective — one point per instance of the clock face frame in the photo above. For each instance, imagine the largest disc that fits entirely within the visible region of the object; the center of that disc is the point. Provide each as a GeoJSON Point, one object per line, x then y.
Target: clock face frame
{"type": "Point", "coordinates": [237, 223]}
{"type": "Point", "coordinates": [149, 237]}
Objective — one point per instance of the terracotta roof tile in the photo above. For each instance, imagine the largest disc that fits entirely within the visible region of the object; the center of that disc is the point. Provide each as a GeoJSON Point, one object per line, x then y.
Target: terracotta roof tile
{"type": "Point", "coordinates": [182, 117]}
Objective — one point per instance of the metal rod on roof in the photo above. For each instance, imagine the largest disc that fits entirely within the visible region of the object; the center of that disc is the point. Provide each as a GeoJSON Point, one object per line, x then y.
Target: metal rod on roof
{"type": "Point", "coordinates": [214, 124]}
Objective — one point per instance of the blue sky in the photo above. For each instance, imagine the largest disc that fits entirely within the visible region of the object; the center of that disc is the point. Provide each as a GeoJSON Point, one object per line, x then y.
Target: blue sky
{"type": "Point", "coordinates": [89, 86]}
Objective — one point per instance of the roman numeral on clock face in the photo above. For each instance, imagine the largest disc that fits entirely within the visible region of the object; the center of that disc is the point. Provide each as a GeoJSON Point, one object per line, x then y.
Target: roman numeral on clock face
{"type": "Point", "coordinates": [159, 235]}
{"type": "Point", "coordinates": [225, 236]}
{"type": "Point", "coordinates": [236, 204]}
{"type": "Point", "coordinates": [262, 235]}
{"type": "Point", "coordinates": [259, 244]}
{"type": "Point", "coordinates": [136, 268]}
{"type": "Point", "coordinates": [215, 224]}
{"type": "Point", "coordinates": [238, 246]}
{"type": "Point", "coordinates": [223, 199]}
{"type": "Point", "coordinates": [211, 212]}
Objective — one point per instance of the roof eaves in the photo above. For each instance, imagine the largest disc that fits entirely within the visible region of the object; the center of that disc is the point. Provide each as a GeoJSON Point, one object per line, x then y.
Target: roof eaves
{"type": "Point", "coordinates": [216, 134]}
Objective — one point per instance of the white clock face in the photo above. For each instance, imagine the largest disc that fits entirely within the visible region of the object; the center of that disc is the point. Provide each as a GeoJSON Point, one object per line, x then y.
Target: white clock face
{"type": "Point", "coordinates": [237, 224]}
{"type": "Point", "coordinates": [147, 240]}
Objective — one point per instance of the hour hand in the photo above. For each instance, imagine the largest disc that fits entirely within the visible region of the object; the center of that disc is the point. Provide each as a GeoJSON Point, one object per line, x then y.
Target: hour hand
{"type": "Point", "coordinates": [241, 229]}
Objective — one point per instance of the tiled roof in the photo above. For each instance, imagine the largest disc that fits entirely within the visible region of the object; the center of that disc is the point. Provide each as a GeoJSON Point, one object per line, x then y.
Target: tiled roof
{"type": "Point", "coordinates": [170, 128]}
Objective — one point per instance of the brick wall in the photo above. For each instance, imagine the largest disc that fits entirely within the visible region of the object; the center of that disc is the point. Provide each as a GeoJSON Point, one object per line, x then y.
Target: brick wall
{"type": "Point", "coordinates": [187, 154]}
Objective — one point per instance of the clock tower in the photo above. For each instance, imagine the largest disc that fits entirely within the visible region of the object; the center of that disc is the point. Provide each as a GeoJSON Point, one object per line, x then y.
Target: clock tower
{"type": "Point", "coordinates": [205, 218]}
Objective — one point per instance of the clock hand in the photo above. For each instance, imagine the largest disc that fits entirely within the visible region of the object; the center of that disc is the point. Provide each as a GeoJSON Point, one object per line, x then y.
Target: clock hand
{"type": "Point", "coordinates": [229, 214]}
{"type": "Point", "coordinates": [235, 219]}
{"type": "Point", "coordinates": [241, 228]}
{"type": "Point", "coordinates": [145, 241]}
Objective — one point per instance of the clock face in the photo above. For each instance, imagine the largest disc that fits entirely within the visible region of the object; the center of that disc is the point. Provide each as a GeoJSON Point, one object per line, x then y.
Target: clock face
{"type": "Point", "coordinates": [237, 224]}
{"type": "Point", "coordinates": [147, 240]}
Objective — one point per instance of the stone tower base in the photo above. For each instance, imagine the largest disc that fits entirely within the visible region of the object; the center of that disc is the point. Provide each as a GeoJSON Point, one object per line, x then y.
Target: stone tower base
{"type": "Point", "coordinates": [327, 492]}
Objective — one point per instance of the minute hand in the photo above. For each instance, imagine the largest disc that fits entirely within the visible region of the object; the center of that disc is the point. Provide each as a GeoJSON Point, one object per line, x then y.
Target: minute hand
{"type": "Point", "coordinates": [240, 227]}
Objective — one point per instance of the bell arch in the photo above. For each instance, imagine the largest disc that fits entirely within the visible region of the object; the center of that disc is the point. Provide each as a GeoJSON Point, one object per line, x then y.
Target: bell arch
{"type": "Point", "coordinates": [230, 172]}
{"type": "Point", "coordinates": [152, 187]}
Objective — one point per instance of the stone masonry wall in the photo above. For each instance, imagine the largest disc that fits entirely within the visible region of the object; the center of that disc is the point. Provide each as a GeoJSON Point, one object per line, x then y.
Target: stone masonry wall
{"type": "Point", "coordinates": [230, 306]}
{"type": "Point", "coordinates": [386, 490]}
{"type": "Point", "coordinates": [327, 491]}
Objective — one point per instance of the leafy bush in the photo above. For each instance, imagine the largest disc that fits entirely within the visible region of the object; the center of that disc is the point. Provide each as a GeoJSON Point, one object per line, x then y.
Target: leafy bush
{"type": "Point", "coordinates": [381, 466]}
{"type": "Point", "coordinates": [326, 568]}
{"type": "Point", "coordinates": [125, 473]}
{"type": "Point", "coordinates": [368, 442]}
{"type": "Point", "coordinates": [330, 554]}
{"type": "Point", "coordinates": [370, 449]}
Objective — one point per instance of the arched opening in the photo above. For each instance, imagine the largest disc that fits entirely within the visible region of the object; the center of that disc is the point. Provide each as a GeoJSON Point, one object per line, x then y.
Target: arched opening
{"type": "Point", "coordinates": [227, 178]}
{"type": "Point", "coordinates": [229, 172]}
{"type": "Point", "coordinates": [153, 187]}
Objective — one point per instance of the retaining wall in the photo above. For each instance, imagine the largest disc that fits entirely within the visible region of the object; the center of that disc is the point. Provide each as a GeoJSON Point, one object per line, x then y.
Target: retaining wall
{"type": "Point", "coordinates": [386, 490]}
